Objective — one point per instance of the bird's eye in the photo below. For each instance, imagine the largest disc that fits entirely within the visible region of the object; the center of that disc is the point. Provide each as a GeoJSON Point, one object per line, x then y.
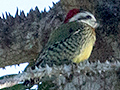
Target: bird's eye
{"type": "Point", "coordinates": [79, 18]}
{"type": "Point", "coordinates": [88, 16]}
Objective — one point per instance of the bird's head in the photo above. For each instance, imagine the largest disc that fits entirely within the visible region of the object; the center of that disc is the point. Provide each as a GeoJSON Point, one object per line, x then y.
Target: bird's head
{"type": "Point", "coordinates": [84, 16]}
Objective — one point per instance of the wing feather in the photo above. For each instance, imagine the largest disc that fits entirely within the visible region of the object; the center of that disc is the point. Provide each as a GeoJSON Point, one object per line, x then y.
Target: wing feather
{"type": "Point", "coordinates": [63, 32]}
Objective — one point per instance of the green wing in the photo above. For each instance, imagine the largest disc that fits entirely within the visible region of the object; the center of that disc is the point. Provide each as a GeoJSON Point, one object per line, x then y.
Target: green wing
{"type": "Point", "coordinates": [63, 32]}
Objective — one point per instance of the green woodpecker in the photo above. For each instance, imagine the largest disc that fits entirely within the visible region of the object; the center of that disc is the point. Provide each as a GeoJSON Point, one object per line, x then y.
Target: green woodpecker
{"type": "Point", "coordinates": [72, 41]}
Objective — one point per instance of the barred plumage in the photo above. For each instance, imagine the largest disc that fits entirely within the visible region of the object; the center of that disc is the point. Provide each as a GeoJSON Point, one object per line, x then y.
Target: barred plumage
{"type": "Point", "coordinates": [72, 41]}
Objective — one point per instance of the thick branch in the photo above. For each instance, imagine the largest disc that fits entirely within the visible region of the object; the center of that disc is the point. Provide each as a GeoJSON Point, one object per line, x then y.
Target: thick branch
{"type": "Point", "coordinates": [94, 76]}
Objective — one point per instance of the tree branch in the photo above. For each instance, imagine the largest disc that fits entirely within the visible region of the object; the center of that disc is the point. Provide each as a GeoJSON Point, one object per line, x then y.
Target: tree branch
{"type": "Point", "coordinates": [87, 76]}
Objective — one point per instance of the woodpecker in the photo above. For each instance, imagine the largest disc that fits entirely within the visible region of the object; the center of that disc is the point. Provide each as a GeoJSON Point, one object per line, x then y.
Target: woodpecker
{"type": "Point", "coordinates": [73, 41]}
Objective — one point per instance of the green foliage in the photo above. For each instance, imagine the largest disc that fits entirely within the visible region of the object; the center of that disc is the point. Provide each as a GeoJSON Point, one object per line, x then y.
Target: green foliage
{"type": "Point", "coordinates": [16, 87]}
{"type": "Point", "coordinates": [46, 86]}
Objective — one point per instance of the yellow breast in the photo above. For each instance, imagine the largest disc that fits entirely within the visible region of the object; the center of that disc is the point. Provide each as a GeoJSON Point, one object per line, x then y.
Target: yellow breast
{"type": "Point", "coordinates": [85, 52]}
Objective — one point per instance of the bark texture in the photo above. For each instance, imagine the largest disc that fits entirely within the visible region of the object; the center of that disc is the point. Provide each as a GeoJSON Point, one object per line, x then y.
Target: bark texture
{"type": "Point", "coordinates": [23, 37]}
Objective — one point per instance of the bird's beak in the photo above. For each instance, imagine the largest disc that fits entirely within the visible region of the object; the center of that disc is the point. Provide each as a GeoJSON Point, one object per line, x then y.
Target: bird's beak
{"type": "Point", "coordinates": [96, 25]}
